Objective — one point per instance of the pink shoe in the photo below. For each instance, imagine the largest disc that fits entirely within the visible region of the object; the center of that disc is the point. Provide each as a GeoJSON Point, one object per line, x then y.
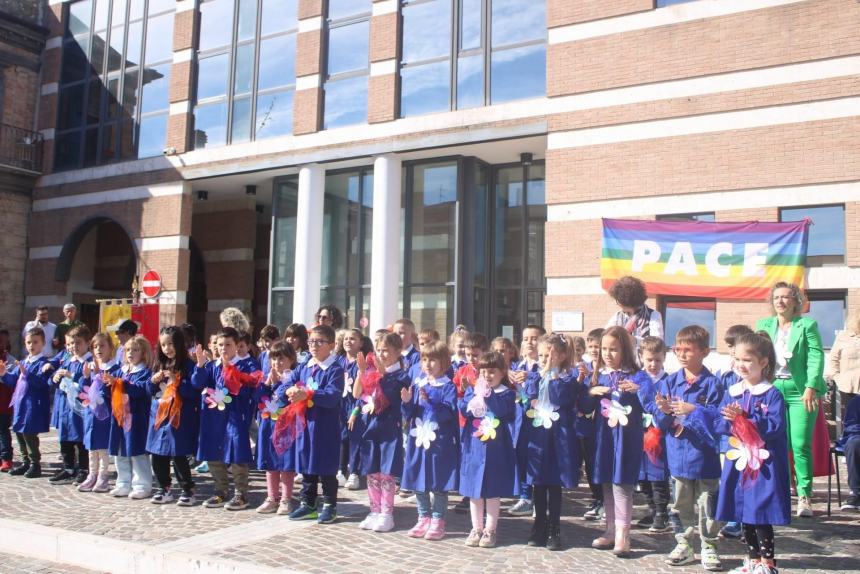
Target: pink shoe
{"type": "Point", "coordinates": [88, 484]}
{"type": "Point", "coordinates": [420, 529]}
{"type": "Point", "coordinates": [103, 483]}
{"type": "Point", "coordinates": [437, 529]}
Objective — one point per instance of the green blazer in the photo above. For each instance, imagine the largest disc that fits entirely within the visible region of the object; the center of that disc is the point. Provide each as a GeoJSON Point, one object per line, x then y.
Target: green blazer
{"type": "Point", "coordinates": [804, 342]}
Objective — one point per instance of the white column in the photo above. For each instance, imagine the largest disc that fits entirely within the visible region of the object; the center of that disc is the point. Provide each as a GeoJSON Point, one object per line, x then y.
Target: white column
{"type": "Point", "coordinates": [385, 264]}
{"type": "Point", "coordinates": [309, 228]}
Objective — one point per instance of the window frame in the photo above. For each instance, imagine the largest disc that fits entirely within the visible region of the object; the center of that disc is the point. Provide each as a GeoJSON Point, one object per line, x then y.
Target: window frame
{"type": "Point", "coordinates": [663, 301]}
{"type": "Point", "coordinates": [813, 295]}
{"type": "Point", "coordinates": [822, 260]}
{"type": "Point", "coordinates": [326, 77]}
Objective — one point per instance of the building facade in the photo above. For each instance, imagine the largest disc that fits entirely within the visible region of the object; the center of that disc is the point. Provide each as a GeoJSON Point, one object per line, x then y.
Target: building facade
{"type": "Point", "coordinates": [445, 160]}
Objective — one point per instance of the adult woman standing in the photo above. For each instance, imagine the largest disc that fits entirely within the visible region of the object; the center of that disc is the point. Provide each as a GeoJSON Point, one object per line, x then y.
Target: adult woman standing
{"type": "Point", "coordinates": [800, 363]}
{"type": "Point", "coordinates": [843, 364]}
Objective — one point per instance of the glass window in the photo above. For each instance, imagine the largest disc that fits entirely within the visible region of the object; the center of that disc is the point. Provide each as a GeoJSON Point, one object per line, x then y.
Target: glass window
{"type": "Point", "coordinates": [705, 216]}
{"type": "Point", "coordinates": [284, 213]}
{"type": "Point", "coordinates": [347, 48]}
{"type": "Point", "coordinates": [156, 6]}
{"type": "Point", "coordinates": [279, 15]}
{"type": "Point", "coordinates": [828, 309]}
{"type": "Point", "coordinates": [826, 234]}
{"type": "Point", "coordinates": [433, 223]}
{"type": "Point", "coordinates": [134, 44]}
{"type": "Point", "coordinates": [470, 82]}
{"type": "Point", "coordinates": [80, 14]}
{"type": "Point", "coordinates": [159, 38]}
{"type": "Point", "coordinates": [100, 22]}
{"type": "Point", "coordinates": [241, 131]}
{"type": "Point", "coordinates": [68, 150]}
{"type": "Point", "coordinates": [75, 63]}
{"type": "Point", "coordinates": [153, 133]}
{"type": "Point", "coordinates": [247, 28]}
{"type": "Point", "coordinates": [243, 75]}
{"type": "Point", "coordinates": [277, 62]}
{"type": "Point", "coordinates": [682, 311]}
{"type": "Point", "coordinates": [422, 24]}
{"type": "Point", "coordinates": [210, 125]}
{"type": "Point", "coordinates": [71, 107]}
{"type": "Point", "coordinates": [518, 73]}
{"type": "Point", "coordinates": [115, 49]}
{"type": "Point", "coordinates": [216, 24]}
{"type": "Point", "coordinates": [515, 21]}
{"type": "Point", "coordinates": [212, 76]}
{"type": "Point", "coordinates": [662, 3]}
{"type": "Point", "coordinates": [345, 102]}
{"type": "Point", "coordinates": [156, 88]}
{"type": "Point", "coordinates": [470, 24]}
{"type": "Point", "coordinates": [425, 89]}
{"type": "Point", "coordinates": [344, 8]}
{"type": "Point", "coordinates": [130, 90]}
{"type": "Point", "coordinates": [274, 114]}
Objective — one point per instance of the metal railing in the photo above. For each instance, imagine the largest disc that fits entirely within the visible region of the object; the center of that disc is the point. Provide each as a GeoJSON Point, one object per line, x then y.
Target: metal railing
{"type": "Point", "coordinates": [20, 148]}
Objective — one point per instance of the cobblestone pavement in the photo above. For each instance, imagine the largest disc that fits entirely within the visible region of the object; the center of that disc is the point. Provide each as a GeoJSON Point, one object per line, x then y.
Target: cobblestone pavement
{"type": "Point", "coordinates": [820, 544]}
{"type": "Point", "coordinates": [15, 564]}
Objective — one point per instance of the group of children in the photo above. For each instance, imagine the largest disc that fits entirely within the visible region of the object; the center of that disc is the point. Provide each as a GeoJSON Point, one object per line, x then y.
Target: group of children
{"type": "Point", "coordinates": [407, 409]}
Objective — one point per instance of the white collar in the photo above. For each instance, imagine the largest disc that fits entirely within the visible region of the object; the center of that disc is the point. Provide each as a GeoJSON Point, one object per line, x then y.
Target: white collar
{"type": "Point", "coordinates": [244, 357]}
{"type": "Point", "coordinates": [133, 368]}
{"type": "Point", "coordinates": [737, 389]}
{"type": "Point", "coordinates": [428, 380]}
{"type": "Point", "coordinates": [528, 363]}
{"type": "Point", "coordinates": [83, 359]}
{"type": "Point", "coordinates": [109, 366]}
{"type": "Point", "coordinates": [393, 368]}
{"type": "Point", "coordinates": [235, 360]}
{"type": "Point", "coordinates": [500, 389]}
{"type": "Point", "coordinates": [325, 364]}
{"type": "Point", "coordinates": [34, 358]}
{"type": "Point", "coordinates": [407, 350]}
{"type": "Point", "coordinates": [658, 376]}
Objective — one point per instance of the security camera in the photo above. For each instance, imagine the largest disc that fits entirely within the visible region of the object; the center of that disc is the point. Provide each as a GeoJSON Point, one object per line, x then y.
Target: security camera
{"type": "Point", "coordinates": [169, 151]}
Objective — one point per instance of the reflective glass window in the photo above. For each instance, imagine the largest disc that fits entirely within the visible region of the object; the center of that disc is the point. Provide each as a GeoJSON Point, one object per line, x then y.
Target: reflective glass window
{"type": "Point", "coordinates": [518, 73]}
{"type": "Point", "coordinates": [159, 38]}
{"type": "Point", "coordinates": [277, 62]}
{"type": "Point", "coordinates": [278, 16]}
{"type": "Point", "coordinates": [344, 8]}
{"type": "Point", "coordinates": [216, 24]}
{"type": "Point", "coordinates": [345, 102]}
{"type": "Point", "coordinates": [425, 89]}
{"type": "Point", "coordinates": [210, 125]}
{"type": "Point", "coordinates": [156, 88]}
{"type": "Point", "coordinates": [347, 48]}
{"type": "Point", "coordinates": [826, 234]}
{"type": "Point", "coordinates": [274, 114]}
{"type": "Point", "coordinates": [153, 131]}
{"type": "Point", "coordinates": [212, 76]}
{"type": "Point", "coordinates": [423, 30]}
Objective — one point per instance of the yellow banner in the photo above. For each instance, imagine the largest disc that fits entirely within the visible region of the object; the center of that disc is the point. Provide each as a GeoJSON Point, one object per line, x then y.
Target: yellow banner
{"type": "Point", "coordinates": [111, 315]}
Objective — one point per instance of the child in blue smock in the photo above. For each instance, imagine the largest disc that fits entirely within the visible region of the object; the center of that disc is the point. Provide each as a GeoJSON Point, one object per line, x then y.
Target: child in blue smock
{"type": "Point", "coordinates": [67, 416]}
{"type": "Point", "coordinates": [30, 402]}
{"type": "Point", "coordinates": [352, 423]}
{"type": "Point", "coordinates": [317, 387]}
{"type": "Point", "coordinates": [279, 464]}
{"type": "Point", "coordinates": [229, 391]}
{"type": "Point", "coordinates": [382, 441]}
{"type": "Point", "coordinates": [174, 417]}
{"type": "Point", "coordinates": [551, 451]}
{"type": "Point", "coordinates": [755, 485]}
{"type": "Point", "coordinates": [129, 422]}
{"type": "Point", "coordinates": [97, 412]}
{"type": "Point", "coordinates": [618, 434]}
{"type": "Point", "coordinates": [488, 468]}
{"type": "Point", "coordinates": [432, 455]}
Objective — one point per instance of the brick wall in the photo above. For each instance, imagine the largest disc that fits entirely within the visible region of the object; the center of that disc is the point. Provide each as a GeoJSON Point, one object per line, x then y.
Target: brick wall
{"type": "Point", "coordinates": [563, 12]}
{"type": "Point", "coordinates": [14, 212]}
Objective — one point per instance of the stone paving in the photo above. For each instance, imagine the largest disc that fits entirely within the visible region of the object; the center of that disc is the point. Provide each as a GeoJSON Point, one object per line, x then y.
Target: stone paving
{"type": "Point", "coordinates": [247, 541]}
{"type": "Point", "coordinates": [15, 564]}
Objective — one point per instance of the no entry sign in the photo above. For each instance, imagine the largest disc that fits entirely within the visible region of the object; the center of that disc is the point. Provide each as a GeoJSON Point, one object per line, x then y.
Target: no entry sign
{"type": "Point", "coordinates": [151, 284]}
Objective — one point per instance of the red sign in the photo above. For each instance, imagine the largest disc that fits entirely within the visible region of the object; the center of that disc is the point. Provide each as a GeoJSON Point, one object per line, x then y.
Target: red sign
{"type": "Point", "coordinates": [151, 284]}
{"type": "Point", "coordinates": [147, 317]}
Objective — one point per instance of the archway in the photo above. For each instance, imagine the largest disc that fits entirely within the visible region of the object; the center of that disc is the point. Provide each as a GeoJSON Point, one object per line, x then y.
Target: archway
{"type": "Point", "coordinates": [197, 302]}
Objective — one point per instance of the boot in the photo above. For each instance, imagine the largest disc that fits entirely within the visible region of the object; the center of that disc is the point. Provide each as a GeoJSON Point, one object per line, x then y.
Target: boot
{"type": "Point", "coordinates": [35, 471]}
{"type": "Point", "coordinates": [21, 468]}
{"type": "Point", "coordinates": [553, 538]}
{"type": "Point", "coordinates": [102, 483]}
{"type": "Point", "coordinates": [622, 541]}
{"type": "Point", "coordinates": [539, 532]}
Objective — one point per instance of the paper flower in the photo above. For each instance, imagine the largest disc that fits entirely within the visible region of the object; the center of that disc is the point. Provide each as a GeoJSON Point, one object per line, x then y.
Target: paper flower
{"type": "Point", "coordinates": [270, 409]}
{"type": "Point", "coordinates": [542, 416]}
{"type": "Point", "coordinates": [615, 412]}
{"type": "Point", "coordinates": [369, 406]}
{"type": "Point", "coordinates": [648, 420]}
{"type": "Point", "coordinates": [424, 432]}
{"type": "Point", "coordinates": [312, 384]}
{"type": "Point", "coordinates": [486, 427]}
{"type": "Point", "coordinates": [217, 398]}
{"type": "Point", "coordinates": [743, 456]}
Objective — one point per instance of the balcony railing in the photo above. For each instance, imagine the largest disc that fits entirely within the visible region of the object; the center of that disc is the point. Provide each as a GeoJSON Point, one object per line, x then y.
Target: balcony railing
{"type": "Point", "coordinates": [20, 148]}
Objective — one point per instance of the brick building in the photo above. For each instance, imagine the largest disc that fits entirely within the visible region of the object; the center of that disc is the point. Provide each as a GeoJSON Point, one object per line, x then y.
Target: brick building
{"type": "Point", "coordinates": [447, 160]}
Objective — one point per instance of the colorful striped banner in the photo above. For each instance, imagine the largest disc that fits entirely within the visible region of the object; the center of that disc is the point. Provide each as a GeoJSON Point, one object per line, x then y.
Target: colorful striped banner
{"type": "Point", "coordinates": [704, 259]}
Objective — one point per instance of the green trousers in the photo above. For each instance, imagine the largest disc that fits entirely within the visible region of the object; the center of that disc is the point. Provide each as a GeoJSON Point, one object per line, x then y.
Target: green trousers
{"type": "Point", "coordinates": [800, 424]}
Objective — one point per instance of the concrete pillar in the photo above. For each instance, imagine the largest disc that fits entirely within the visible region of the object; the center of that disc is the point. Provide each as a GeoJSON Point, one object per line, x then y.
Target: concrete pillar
{"type": "Point", "coordinates": [309, 228]}
{"type": "Point", "coordinates": [385, 265]}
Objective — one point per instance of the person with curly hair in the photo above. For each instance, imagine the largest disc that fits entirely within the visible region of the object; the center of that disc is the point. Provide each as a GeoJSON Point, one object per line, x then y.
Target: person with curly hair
{"type": "Point", "coordinates": [235, 318]}
{"type": "Point", "coordinates": [634, 315]}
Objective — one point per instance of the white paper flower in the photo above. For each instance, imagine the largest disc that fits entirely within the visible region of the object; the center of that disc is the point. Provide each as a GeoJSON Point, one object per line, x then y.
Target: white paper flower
{"type": "Point", "coordinates": [615, 412]}
{"type": "Point", "coordinates": [424, 432]}
{"type": "Point", "coordinates": [743, 457]}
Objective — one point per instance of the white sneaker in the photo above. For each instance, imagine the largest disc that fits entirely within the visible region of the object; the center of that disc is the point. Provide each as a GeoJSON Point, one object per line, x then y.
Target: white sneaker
{"type": "Point", "coordinates": [804, 506]}
{"type": "Point", "coordinates": [140, 494]}
{"type": "Point", "coordinates": [384, 523]}
{"type": "Point", "coordinates": [120, 491]}
{"type": "Point", "coordinates": [369, 522]}
{"type": "Point", "coordinates": [341, 480]}
{"type": "Point", "coordinates": [299, 479]}
{"type": "Point", "coordinates": [353, 482]}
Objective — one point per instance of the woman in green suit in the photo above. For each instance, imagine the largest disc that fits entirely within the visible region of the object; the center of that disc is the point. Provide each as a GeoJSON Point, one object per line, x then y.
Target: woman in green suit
{"type": "Point", "coordinates": [800, 363]}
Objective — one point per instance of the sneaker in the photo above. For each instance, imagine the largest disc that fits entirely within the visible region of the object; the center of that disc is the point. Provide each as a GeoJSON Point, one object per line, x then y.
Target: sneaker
{"type": "Point", "coordinates": [62, 477]}
{"type": "Point", "coordinates": [594, 512]}
{"type": "Point", "coordinates": [488, 539]}
{"type": "Point", "coordinates": [35, 471]}
{"type": "Point", "coordinates": [304, 512]}
{"type": "Point", "coordinates": [269, 506]}
{"type": "Point", "coordinates": [645, 521]}
{"type": "Point", "coordinates": [710, 559]}
{"type": "Point", "coordinates": [463, 506]}
{"type": "Point", "coordinates": [139, 494]}
{"type": "Point", "coordinates": [353, 482]}
{"type": "Point", "coordinates": [522, 507]}
{"type": "Point", "coordinates": [102, 483]}
{"type": "Point", "coordinates": [853, 503]}
{"type": "Point", "coordinates": [682, 553]}
{"type": "Point", "coordinates": [238, 502]}
{"type": "Point", "coordinates": [121, 491]}
{"type": "Point", "coordinates": [341, 479]}
{"type": "Point", "coordinates": [186, 498]}
{"type": "Point", "coordinates": [436, 530]}
{"type": "Point", "coordinates": [162, 496]}
{"type": "Point", "coordinates": [537, 538]}
{"type": "Point", "coordinates": [214, 501]}
{"type": "Point", "coordinates": [804, 506]}
{"type": "Point", "coordinates": [285, 507]}
{"type": "Point", "coordinates": [369, 521]}
{"type": "Point", "coordinates": [553, 537]}
{"type": "Point", "coordinates": [81, 476]}
{"type": "Point", "coordinates": [748, 567]}
{"type": "Point", "coordinates": [384, 523]}
{"type": "Point", "coordinates": [88, 484]}
{"type": "Point", "coordinates": [6, 466]}
{"type": "Point", "coordinates": [474, 538]}
{"type": "Point", "coordinates": [202, 467]}
{"type": "Point", "coordinates": [420, 529]}
{"type": "Point", "coordinates": [731, 530]}
{"type": "Point", "coordinates": [762, 568]}
{"type": "Point", "coordinates": [402, 493]}
{"type": "Point", "coordinates": [660, 524]}
{"type": "Point", "coordinates": [20, 469]}
{"type": "Point", "coordinates": [299, 479]}
{"type": "Point", "coordinates": [328, 514]}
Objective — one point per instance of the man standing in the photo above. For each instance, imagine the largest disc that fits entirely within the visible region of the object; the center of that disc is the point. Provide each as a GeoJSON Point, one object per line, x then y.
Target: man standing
{"type": "Point", "coordinates": [42, 322]}
{"type": "Point", "coordinates": [71, 314]}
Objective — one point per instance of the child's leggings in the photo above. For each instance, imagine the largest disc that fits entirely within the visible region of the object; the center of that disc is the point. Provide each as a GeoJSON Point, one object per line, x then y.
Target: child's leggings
{"type": "Point", "coordinates": [380, 492]}
{"type": "Point", "coordinates": [28, 444]}
{"type": "Point", "coordinates": [99, 461]}
{"type": "Point", "coordinates": [547, 501]}
{"type": "Point", "coordinates": [760, 543]}
{"type": "Point", "coordinates": [477, 506]}
{"type": "Point", "coordinates": [134, 472]}
{"type": "Point", "coordinates": [75, 456]}
{"type": "Point", "coordinates": [618, 504]}
{"type": "Point", "coordinates": [282, 479]}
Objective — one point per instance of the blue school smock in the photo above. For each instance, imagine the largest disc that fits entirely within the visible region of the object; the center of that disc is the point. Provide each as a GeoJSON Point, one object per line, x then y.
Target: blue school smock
{"type": "Point", "coordinates": [97, 432]}
{"type": "Point", "coordinates": [727, 379]}
{"type": "Point", "coordinates": [382, 441]}
{"type": "Point", "coordinates": [437, 467]}
{"type": "Point", "coordinates": [69, 424]}
{"type": "Point", "coordinates": [353, 437]}
{"type": "Point", "coordinates": [138, 379]}
{"type": "Point", "coordinates": [488, 469]}
{"type": "Point", "coordinates": [584, 423]}
{"type": "Point", "coordinates": [317, 449]}
{"type": "Point", "coordinates": [767, 499]}
{"type": "Point", "coordinates": [265, 364]}
{"type": "Point", "coordinates": [523, 404]}
{"type": "Point", "coordinates": [694, 452]}
{"type": "Point", "coordinates": [552, 455]}
{"type": "Point", "coordinates": [618, 450]}
{"type": "Point", "coordinates": [33, 414]}
{"type": "Point", "coordinates": [166, 440]}
{"type": "Point", "coordinates": [649, 470]}
{"type": "Point", "coordinates": [225, 434]}
{"type": "Point", "coordinates": [410, 357]}
{"type": "Point", "coordinates": [267, 457]}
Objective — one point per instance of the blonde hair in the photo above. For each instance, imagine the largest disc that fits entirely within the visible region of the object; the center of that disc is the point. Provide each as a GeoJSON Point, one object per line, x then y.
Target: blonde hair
{"type": "Point", "coordinates": [233, 317]}
{"type": "Point", "coordinates": [145, 349]}
{"type": "Point", "coordinates": [796, 295]}
{"type": "Point", "coordinates": [105, 338]}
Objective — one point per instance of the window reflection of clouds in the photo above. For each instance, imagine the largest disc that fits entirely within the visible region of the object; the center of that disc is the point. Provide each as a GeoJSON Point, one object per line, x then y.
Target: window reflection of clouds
{"type": "Point", "coordinates": [470, 82]}
{"type": "Point", "coordinates": [346, 102]}
{"type": "Point", "coordinates": [518, 73]}
{"type": "Point", "coordinates": [425, 89]}
{"type": "Point", "coordinates": [425, 31]}
{"type": "Point", "coordinates": [342, 8]}
{"type": "Point", "coordinates": [348, 48]}
{"type": "Point", "coordinates": [277, 62]}
{"type": "Point", "coordinates": [274, 114]}
{"type": "Point", "coordinates": [517, 21]}
{"type": "Point", "coordinates": [827, 232]}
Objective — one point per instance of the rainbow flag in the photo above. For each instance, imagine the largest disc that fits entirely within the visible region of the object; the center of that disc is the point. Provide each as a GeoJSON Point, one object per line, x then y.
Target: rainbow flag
{"type": "Point", "coordinates": [703, 259]}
